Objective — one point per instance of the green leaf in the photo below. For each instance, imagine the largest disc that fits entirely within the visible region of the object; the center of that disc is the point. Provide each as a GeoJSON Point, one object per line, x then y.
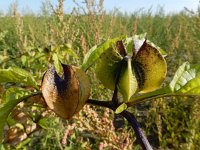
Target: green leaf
{"type": "Point", "coordinates": [68, 50]}
{"type": "Point", "coordinates": [24, 60]}
{"type": "Point", "coordinates": [186, 79]}
{"type": "Point", "coordinates": [96, 51]}
{"type": "Point", "coordinates": [15, 74]}
{"type": "Point", "coordinates": [23, 143]}
{"type": "Point", "coordinates": [57, 63]}
{"type": "Point", "coordinates": [12, 97]}
{"type": "Point", "coordinates": [2, 147]}
{"type": "Point", "coordinates": [121, 108]}
{"type": "Point", "coordinates": [44, 123]}
{"type": "Point", "coordinates": [146, 96]}
{"type": "Point", "coordinates": [14, 93]}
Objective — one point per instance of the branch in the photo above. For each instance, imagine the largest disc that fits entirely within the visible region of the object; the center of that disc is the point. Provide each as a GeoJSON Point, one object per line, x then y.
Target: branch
{"type": "Point", "coordinates": [143, 99]}
{"type": "Point", "coordinates": [130, 118]}
{"type": "Point", "coordinates": [107, 104]}
{"type": "Point", "coordinates": [138, 131]}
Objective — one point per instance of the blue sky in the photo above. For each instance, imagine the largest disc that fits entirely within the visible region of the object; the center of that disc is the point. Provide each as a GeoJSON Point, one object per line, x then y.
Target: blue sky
{"type": "Point", "coordinates": [122, 5]}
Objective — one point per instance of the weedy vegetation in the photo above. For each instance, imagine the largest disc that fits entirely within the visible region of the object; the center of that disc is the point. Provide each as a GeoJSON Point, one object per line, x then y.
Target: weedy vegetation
{"type": "Point", "coordinates": [31, 43]}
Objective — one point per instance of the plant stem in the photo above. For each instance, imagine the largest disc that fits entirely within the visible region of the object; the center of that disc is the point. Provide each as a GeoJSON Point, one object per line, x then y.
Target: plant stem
{"type": "Point", "coordinates": [141, 99]}
{"type": "Point", "coordinates": [107, 104]}
{"type": "Point", "coordinates": [130, 118]}
{"type": "Point", "coordinates": [138, 131]}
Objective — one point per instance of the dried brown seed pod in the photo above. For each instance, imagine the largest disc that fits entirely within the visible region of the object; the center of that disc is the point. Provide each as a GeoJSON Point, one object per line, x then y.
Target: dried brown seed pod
{"type": "Point", "coordinates": [65, 95]}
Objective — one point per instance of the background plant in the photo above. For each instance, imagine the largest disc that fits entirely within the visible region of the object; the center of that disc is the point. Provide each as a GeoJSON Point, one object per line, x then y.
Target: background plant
{"type": "Point", "coordinates": [31, 45]}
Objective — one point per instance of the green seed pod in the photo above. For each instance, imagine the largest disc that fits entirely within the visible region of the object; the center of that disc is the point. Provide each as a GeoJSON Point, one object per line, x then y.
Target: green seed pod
{"type": "Point", "coordinates": [65, 95]}
{"type": "Point", "coordinates": [108, 66]}
{"type": "Point", "coordinates": [143, 72]}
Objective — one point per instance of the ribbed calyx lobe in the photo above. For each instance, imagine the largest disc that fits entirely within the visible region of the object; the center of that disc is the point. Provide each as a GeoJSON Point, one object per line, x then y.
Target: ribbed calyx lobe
{"type": "Point", "coordinates": [151, 67]}
{"type": "Point", "coordinates": [64, 95]}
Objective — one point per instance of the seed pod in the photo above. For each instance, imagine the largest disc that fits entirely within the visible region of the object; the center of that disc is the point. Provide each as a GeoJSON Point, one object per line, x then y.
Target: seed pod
{"type": "Point", "coordinates": [65, 95]}
{"type": "Point", "coordinates": [143, 72]}
{"type": "Point", "coordinates": [107, 68]}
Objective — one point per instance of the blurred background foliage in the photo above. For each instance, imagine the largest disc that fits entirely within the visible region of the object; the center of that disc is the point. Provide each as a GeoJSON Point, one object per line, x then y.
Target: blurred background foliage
{"type": "Point", "coordinates": [33, 42]}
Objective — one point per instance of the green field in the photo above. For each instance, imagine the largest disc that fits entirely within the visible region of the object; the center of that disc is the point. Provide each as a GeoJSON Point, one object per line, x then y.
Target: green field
{"type": "Point", "coordinates": [33, 42]}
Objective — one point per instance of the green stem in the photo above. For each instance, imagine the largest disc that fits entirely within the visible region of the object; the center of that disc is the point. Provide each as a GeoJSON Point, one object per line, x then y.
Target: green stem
{"type": "Point", "coordinates": [163, 92]}
{"type": "Point", "coordinates": [147, 96]}
{"type": "Point", "coordinates": [108, 104]}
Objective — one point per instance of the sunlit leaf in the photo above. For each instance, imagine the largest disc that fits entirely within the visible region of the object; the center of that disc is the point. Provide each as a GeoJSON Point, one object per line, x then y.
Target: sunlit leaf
{"type": "Point", "coordinates": [146, 96]}
{"type": "Point", "coordinates": [121, 108]}
{"type": "Point", "coordinates": [68, 49]}
{"type": "Point", "coordinates": [23, 143]}
{"type": "Point", "coordinates": [186, 79]}
{"type": "Point", "coordinates": [96, 51]}
{"type": "Point", "coordinates": [24, 60]}
{"type": "Point", "coordinates": [15, 74]}
{"type": "Point", "coordinates": [14, 93]}
{"type": "Point", "coordinates": [2, 147]}
{"type": "Point", "coordinates": [44, 123]}
{"type": "Point", "coordinates": [57, 63]}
